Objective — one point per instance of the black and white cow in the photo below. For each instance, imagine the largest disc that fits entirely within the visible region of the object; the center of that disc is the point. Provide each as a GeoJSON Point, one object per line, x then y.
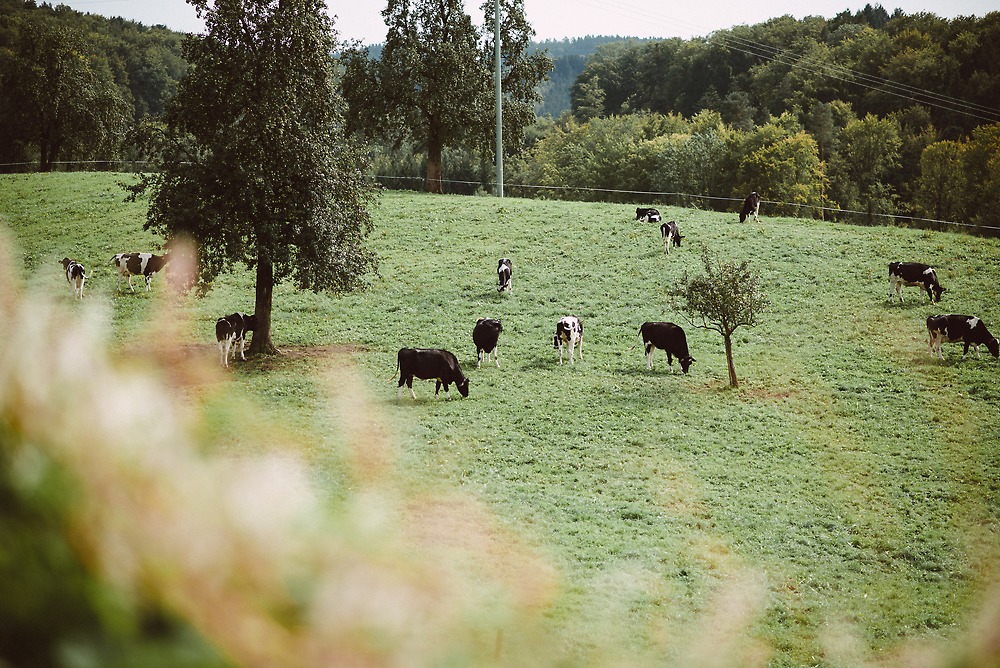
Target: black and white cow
{"type": "Point", "coordinates": [76, 276]}
{"type": "Point", "coordinates": [428, 363]}
{"type": "Point", "coordinates": [231, 329]}
{"type": "Point", "coordinates": [669, 338]}
{"type": "Point", "coordinates": [751, 205]}
{"type": "Point", "coordinates": [647, 214]}
{"type": "Point", "coordinates": [505, 270]}
{"type": "Point", "coordinates": [569, 330]}
{"type": "Point", "coordinates": [966, 329]}
{"type": "Point", "coordinates": [138, 264]}
{"type": "Point", "coordinates": [914, 274]}
{"type": "Point", "coordinates": [671, 235]}
{"type": "Point", "coordinates": [485, 335]}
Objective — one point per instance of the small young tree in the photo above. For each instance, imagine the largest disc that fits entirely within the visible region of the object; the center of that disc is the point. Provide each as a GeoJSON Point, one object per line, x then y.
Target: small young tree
{"type": "Point", "coordinates": [727, 297]}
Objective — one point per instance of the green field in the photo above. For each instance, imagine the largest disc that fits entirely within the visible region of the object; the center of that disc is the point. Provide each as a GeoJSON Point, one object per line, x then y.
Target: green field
{"type": "Point", "coordinates": [852, 480]}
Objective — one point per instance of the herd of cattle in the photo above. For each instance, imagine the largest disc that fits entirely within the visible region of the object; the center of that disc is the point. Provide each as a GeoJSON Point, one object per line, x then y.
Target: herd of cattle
{"type": "Point", "coordinates": [442, 366]}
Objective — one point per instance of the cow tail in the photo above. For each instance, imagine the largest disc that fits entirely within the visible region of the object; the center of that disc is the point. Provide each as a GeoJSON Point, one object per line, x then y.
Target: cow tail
{"type": "Point", "coordinates": [396, 371]}
{"type": "Point", "coordinates": [639, 334]}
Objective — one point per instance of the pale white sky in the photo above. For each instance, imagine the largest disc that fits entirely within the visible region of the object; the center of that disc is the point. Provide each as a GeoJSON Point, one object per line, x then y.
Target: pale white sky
{"type": "Point", "coordinates": [556, 19]}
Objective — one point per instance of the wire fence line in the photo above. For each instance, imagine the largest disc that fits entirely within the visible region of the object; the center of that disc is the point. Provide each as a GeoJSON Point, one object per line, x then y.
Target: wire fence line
{"type": "Point", "coordinates": [689, 196]}
{"type": "Point", "coordinates": [472, 186]}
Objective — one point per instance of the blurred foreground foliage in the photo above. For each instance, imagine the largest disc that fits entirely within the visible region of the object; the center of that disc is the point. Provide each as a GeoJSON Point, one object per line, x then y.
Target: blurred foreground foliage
{"type": "Point", "coordinates": [124, 541]}
{"type": "Point", "coordinates": [131, 536]}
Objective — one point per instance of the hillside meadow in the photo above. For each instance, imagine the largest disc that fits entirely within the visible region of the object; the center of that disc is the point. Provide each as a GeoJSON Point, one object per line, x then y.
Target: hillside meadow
{"type": "Point", "coordinates": [842, 507]}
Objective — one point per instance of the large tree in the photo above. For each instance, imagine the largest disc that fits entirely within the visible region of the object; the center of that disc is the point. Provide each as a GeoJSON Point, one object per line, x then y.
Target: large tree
{"type": "Point", "coordinates": [255, 164]}
{"type": "Point", "coordinates": [433, 82]}
{"type": "Point", "coordinates": [53, 99]}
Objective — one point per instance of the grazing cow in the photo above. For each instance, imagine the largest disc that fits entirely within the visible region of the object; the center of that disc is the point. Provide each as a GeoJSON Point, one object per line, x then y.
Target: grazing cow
{"type": "Point", "coordinates": [428, 363]}
{"type": "Point", "coordinates": [669, 338]}
{"type": "Point", "coordinates": [138, 264]}
{"type": "Point", "coordinates": [231, 329]}
{"type": "Point", "coordinates": [76, 276]}
{"type": "Point", "coordinates": [671, 235]}
{"type": "Point", "coordinates": [568, 330]}
{"type": "Point", "coordinates": [751, 205]}
{"type": "Point", "coordinates": [504, 272]}
{"type": "Point", "coordinates": [485, 335]}
{"type": "Point", "coordinates": [647, 214]}
{"type": "Point", "coordinates": [966, 329]}
{"type": "Point", "coordinates": [914, 274]}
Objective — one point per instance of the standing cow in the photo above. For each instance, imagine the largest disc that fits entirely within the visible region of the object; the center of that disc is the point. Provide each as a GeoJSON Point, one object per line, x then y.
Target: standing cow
{"type": "Point", "coordinates": [428, 363]}
{"type": "Point", "coordinates": [669, 338]}
{"type": "Point", "coordinates": [76, 276]}
{"type": "Point", "coordinates": [505, 271]}
{"type": "Point", "coordinates": [485, 335]}
{"type": "Point", "coordinates": [231, 329]}
{"type": "Point", "coordinates": [138, 264]}
{"type": "Point", "coordinates": [569, 330]}
{"type": "Point", "coordinates": [671, 235]}
{"type": "Point", "coordinates": [751, 205]}
{"type": "Point", "coordinates": [966, 329]}
{"type": "Point", "coordinates": [914, 274]}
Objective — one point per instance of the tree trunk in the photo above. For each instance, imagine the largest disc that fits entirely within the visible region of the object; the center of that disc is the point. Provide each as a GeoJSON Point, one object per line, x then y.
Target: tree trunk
{"type": "Point", "coordinates": [733, 381]}
{"type": "Point", "coordinates": [434, 149]}
{"type": "Point", "coordinates": [261, 342]}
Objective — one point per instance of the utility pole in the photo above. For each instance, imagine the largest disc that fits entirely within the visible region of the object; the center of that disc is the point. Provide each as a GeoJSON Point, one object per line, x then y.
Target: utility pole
{"type": "Point", "coordinates": [496, 50]}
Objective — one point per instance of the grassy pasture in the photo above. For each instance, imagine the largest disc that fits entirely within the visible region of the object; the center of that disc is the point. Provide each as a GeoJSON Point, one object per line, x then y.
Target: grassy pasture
{"type": "Point", "coordinates": [852, 478]}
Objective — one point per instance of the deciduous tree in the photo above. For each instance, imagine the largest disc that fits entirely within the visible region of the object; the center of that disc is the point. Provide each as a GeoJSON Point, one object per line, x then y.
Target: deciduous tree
{"type": "Point", "coordinates": [725, 298]}
{"type": "Point", "coordinates": [54, 100]}
{"type": "Point", "coordinates": [255, 164]}
{"type": "Point", "coordinates": [434, 80]}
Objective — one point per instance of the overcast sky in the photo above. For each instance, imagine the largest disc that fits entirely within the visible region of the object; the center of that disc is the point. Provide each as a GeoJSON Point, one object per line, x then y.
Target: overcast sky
{"type": "Point", "coordinates": [556, 19]}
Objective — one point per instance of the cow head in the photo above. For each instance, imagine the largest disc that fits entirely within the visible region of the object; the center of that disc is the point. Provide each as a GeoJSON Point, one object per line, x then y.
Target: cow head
{"type": "Point", "coordinates": [993, 345]}
{"type": "Point", "coordinates": [686, 363]}
{"type": "Point", "coordinates": [937, 292]}
{"type": "Point", "coordinates": [463, 387]}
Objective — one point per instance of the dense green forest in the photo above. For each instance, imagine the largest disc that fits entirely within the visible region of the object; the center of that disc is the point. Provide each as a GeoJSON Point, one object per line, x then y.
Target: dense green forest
{"type": "Point", "coordinates": [868, 116]}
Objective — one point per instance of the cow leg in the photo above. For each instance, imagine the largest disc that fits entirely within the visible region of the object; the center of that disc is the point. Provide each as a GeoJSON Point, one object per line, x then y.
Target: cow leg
{"type": "Point", "coordinates": [437, 386]}
{"type": "Point", "coordinates": [479, 358]}
{"type": "Point", "coordinates": [649, 356]}
{"type": "Point", "coordinates": [496, 359]}
{"type": "Point", "coordinates": [148, 280]}
{"type": "Point", "coordinates": [580, 343]}
{"type": "Point", "coordinates": [243, 347]}
{"type": "Point", "coordinates": [82, 282]}
{"type": "Point", "coordinates": [560, 352]}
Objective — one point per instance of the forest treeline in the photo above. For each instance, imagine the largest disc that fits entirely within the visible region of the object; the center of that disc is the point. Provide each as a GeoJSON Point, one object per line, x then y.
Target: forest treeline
{"type": "Point", "coordinates": [868, 112]}
{"type": "Point", "coordinates": [72, 85]}
{"type": "Point", "coordinates": [882, 114]}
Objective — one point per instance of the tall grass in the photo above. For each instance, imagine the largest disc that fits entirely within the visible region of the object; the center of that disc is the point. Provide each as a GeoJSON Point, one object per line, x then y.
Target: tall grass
{"type": "Point", "coordinates": [840, 508]}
